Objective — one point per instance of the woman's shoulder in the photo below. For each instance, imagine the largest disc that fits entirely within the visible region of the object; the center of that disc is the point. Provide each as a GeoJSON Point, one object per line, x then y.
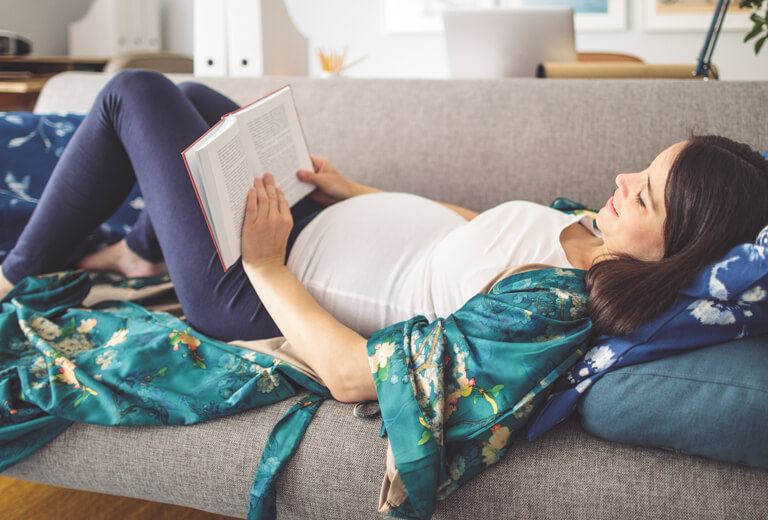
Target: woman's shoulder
{"type": "Point", "coordinates": [507, 277]}
{"type": "Point", "coordinates": [538, 277]}
{"type": "Point", "coordinates": [545, 291]}
{"type": "Point", "coordinates": [522, 211]}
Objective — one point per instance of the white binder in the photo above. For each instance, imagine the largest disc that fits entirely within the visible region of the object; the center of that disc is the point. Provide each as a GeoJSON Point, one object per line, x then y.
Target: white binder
{"type": "Point", "coordinates": [151, 25]}
{"type": "Point", "coordinates": [247, 38]}
{"type": "Point", "coordinates": [245, 44]}
{"type": "Point", "coordinates": [112, 27]}
{"type": "Point", "coordinates": [210, 38]}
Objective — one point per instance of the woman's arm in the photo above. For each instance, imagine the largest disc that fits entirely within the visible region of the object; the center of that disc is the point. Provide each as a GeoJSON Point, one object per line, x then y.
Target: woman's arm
{"type": "Point", "coordinates": [337, 353]}
{"type": "Point", "coordinates": [332, 187]}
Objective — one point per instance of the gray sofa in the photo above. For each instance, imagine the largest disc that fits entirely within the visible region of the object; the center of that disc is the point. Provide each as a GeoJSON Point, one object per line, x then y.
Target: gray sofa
{"type": "Point", "coordinates": [474, 143]}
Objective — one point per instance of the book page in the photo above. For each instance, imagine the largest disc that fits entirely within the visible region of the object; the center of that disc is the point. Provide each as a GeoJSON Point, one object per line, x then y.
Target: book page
{"type": "Point", "coordinates": [236, 179]}
{"type": "Point", "coordinates": [226, 157]}
{"type": "Point", "coordinates": [276, 142]}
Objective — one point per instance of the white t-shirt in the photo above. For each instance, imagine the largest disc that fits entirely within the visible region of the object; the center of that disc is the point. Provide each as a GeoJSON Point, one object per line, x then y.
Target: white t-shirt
{"type": "Point", "coordinates": [377, 259]}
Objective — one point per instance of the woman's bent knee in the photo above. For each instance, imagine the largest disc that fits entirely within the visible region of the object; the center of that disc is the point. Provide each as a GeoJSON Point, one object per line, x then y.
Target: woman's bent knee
{"type": "Point", "coordinates": [143, 85]}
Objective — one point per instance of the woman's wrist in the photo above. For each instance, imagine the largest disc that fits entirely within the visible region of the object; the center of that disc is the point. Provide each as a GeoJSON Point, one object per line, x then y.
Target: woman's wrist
{"type": "Point", "coordinates": [262, 272]}
{"type": "Point", "coordinates": [356, 189]}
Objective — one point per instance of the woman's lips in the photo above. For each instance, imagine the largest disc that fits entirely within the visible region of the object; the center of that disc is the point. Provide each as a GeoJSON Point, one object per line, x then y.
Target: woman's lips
{"type": "Point", "coordinates": [611, 207]}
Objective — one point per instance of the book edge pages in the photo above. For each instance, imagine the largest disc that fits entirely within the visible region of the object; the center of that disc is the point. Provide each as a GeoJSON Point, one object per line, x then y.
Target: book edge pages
{"type": "Point", "coordinates": [189, 149]}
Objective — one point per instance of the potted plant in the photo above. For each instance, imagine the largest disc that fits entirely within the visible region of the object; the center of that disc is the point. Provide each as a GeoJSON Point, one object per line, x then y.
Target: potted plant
{"type": "Point", "coordinates": [760, 27]}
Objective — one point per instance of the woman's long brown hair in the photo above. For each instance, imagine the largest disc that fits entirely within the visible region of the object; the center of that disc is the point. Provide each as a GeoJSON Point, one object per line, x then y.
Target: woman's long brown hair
{"type": "Point", "coordinates": [716, 198]}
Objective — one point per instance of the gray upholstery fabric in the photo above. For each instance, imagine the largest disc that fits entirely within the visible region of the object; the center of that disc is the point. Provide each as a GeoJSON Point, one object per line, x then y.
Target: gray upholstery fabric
{"type": "Point", "coordinates": [482, 142]}
{"type": "Point", "coordinates": [475, 143]}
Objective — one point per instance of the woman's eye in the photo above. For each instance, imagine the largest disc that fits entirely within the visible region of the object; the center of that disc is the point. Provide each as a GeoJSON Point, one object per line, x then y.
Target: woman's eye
{"type": "Point", "coordinates": [640, 201]}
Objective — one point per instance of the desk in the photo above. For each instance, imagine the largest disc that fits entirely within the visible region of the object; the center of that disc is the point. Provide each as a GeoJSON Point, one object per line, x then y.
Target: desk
{"type": "Point", "coordinates": [22, 77]}
{"type": "Point", "coordinates": [617, 70]}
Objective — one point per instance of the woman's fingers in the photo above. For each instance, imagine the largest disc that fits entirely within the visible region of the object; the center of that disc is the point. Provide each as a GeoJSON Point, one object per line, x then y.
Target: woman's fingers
{"type": "Point", "coordinates": [317, 162]}
{"type": "Point", "coordinates": [268, 199]}
{"type": "Point", "coordinates": [262, 198]}
{"type": "Point", "coordinates": [267, 226]}
{"type": "Point", "coordinates": [282, 204]}
{"type": "Point", "coordinates": [251, 204]}
{"type": "Point", "coordinates": [271, 190]}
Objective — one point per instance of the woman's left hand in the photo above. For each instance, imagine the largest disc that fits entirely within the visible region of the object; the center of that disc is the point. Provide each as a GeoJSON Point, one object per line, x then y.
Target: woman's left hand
{"type": "Point", "coordinates": [266, 227]}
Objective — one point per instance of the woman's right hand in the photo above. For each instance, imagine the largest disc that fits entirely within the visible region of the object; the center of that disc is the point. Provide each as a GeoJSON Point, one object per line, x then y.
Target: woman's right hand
{"type": "Point", "coordinates": [331, 186]}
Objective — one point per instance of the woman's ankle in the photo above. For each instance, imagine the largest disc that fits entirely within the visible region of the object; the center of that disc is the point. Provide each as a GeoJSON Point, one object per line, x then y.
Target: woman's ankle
{"type": "Point", "coordinates": [5, 285]}
{"type": "Point", "coordinates": [119, 258]}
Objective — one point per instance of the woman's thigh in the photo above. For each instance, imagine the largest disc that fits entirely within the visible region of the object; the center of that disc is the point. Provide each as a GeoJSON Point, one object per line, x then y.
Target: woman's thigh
{"type": "Point", "coordinates": [154, 122]}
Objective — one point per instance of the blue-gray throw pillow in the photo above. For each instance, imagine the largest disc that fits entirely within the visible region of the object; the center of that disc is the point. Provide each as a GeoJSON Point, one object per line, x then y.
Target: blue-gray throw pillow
{"type": "Point", "coordinates": [712, 401]}
{"type": "Point", "coordinates": [30, 147]}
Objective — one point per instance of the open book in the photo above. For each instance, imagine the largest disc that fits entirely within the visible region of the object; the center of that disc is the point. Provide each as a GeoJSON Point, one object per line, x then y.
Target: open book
{"type": "Point", "coordinates": [264, 136]}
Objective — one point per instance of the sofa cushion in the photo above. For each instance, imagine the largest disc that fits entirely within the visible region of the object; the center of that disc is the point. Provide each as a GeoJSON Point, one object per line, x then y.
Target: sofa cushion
{"type": "Point", "coordinates": [30, 147]}
{"type": "Point", "coordinates": [711, 401]}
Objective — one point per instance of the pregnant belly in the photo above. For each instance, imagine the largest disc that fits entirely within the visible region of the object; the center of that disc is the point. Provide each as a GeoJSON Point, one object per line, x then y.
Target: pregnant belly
{"type": "Point", "coordinates": [365, 260]}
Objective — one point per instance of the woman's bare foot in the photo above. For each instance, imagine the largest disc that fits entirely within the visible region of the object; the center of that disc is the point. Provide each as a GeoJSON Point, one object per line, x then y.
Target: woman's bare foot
{"type": "Point", "coordinates": [119, 258]}
{"type": "Point", "coordinates": [5, 285]}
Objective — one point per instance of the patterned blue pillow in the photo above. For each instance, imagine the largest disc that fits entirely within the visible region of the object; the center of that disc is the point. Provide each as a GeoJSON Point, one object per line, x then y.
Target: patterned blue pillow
{"type": "Point", "coordinates": [30, 147]}
{"type": "Point", "coordinates": [710, 401]}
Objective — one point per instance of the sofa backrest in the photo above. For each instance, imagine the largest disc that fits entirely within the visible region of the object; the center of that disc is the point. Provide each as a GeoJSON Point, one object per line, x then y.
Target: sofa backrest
{"type": "Point", "coordinates": [480, 142]}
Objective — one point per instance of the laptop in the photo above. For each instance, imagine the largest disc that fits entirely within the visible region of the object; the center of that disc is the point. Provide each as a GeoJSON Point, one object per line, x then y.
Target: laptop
{"type": "Point", "coordinates": [507, 42]}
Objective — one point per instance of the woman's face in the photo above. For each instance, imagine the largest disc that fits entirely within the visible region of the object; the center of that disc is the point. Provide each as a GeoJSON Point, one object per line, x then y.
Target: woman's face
{"type": "Point", "coordinates": [632, 221]}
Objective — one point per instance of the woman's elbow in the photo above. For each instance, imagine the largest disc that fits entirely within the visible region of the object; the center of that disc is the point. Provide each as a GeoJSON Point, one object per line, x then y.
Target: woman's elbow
{"type": "Point", "coordinates": [351, 382]}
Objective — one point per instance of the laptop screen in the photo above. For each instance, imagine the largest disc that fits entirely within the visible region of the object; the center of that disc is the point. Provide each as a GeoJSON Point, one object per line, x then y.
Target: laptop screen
{"type": "Point", "coordinates": [507, 42]}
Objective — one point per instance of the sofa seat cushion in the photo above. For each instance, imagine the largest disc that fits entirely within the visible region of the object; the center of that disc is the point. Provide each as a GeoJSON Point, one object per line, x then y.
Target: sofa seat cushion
{"type": "Point", "coordinates": [711, 401]}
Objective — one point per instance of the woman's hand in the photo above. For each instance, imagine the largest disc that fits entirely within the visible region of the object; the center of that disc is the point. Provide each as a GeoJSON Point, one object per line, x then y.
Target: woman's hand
{"type": "Point", "coordinates": [331, 186]}
{"type": "Point", "coordinates": [266, 227]}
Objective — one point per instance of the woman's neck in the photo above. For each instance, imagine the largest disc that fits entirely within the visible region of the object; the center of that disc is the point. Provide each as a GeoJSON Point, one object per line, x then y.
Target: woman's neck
{"type": "Point", "coordinates": [582, 248]}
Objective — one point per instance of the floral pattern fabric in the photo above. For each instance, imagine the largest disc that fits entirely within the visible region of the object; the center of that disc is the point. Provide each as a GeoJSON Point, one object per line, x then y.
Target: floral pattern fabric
{"type": "Point", "coordinates": [120, 364]}
{"type": "Point", "coordinates": [453, 391]}
{"type": "Point", "coordinates": [728, 300]}
{"type": "Point", "coordinates": [30, 147]}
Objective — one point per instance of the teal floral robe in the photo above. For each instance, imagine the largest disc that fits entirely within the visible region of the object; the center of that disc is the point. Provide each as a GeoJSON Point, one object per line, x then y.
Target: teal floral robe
{"type": "Point", "coordinates": [120, 364]}
{"type": "Point", "coordinates": [453, 391]}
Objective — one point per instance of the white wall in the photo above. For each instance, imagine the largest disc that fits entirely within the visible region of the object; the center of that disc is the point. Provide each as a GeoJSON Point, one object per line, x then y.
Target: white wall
{"type": "Point", "coordinates": [359, 23]}
{"type": "Point", "coordinates": [45, 23]}
{"type": "Point", "coordinates": [734, 59]}
{"type": "Point", "coordinates": [328, 23]}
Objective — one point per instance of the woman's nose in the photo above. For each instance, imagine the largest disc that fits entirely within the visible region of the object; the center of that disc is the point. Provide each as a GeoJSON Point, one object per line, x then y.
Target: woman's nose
{"type": "Point", "coordinates": [622, 181]}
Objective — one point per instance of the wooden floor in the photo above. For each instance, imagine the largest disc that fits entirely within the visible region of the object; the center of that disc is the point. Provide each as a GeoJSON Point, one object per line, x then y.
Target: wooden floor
{"type": "Point", "coordinates": [21, 500]}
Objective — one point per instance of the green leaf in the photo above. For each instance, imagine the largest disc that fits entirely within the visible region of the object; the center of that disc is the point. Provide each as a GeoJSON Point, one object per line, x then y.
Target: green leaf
{"type": "Point", "coordinates": [80, 400]}
{"type": "Point", "coordinates": [425, 436]}
{"type": "Point", "coordinates": [495, 390]}
{"type": "Point", "coordinates": [66, 331]}
{"type": "Point", "coordinates": [759, 44]}
{"type": "Point", "coordinates": [757, 29]}
{"type": "Point", "coordinates": [382, 375]}
{"type": "Point", "coordinates": [161, 372]}
{"type": "Point", "coordinates": [757, 18]}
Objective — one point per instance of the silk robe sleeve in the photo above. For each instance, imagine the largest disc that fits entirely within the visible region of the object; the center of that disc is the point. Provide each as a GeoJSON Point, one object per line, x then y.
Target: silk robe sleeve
{"type": "Point", "coordinates": [453, 391]}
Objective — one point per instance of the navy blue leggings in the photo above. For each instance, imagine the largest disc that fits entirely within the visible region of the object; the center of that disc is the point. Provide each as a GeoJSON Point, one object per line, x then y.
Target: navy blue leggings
{"type": "Point", "coordinates": [135, 132]}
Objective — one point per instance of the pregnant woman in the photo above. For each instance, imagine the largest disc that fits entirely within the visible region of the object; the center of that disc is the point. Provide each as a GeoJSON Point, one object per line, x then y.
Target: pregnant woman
{"type": "Point", "coordinates": [359, 260]}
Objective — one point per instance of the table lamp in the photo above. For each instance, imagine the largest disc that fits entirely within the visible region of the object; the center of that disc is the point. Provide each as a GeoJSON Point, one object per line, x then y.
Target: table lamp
{"type": "Point", "coordinates": [704, 62]}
